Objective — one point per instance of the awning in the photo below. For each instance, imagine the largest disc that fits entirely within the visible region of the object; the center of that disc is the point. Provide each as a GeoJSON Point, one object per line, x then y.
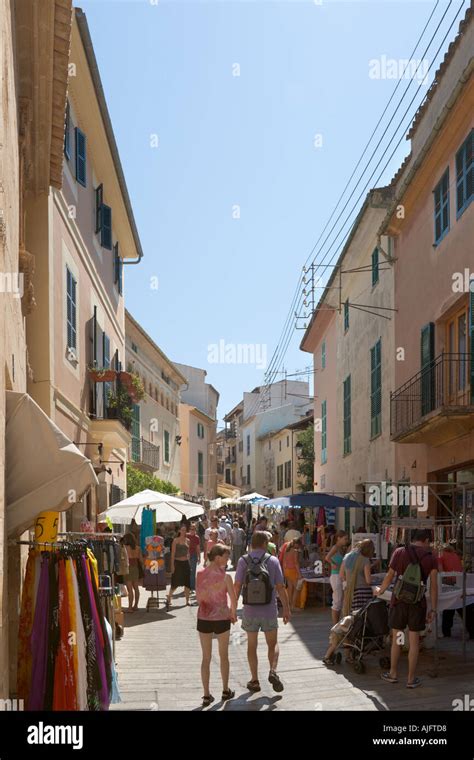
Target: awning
{"type": "Point", "coordinates": [314, 499]}
{"type": "Point", "coordinates": [44, 469]}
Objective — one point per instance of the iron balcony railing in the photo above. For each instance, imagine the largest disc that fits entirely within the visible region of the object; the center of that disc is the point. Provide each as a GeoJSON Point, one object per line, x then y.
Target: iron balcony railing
{"type": "Point", "coordinates": [145, 452]}
{"type": "Point", "coordinates": [116, 495]}
{"type": "Point", "coordinates": [445, 382]}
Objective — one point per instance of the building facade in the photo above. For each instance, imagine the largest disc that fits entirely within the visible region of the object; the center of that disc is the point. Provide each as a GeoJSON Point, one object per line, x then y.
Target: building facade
{"type": "Point", "coordinates": [279, 459]}
{"type": "Point", "coordinates": [156, 435]}
{"type": "Point", "coordinates": [198, 421]}
{"type": "Point", "coordinates": [431, 221]}
{"type": "Point", "coordinates": [351, 337]}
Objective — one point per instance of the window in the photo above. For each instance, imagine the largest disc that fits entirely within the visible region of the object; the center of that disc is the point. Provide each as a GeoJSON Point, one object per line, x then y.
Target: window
{"type": "Point", "coordinates": [427, 355]}
{"type": "Point", "coordinates": [324, 437]}
{"type": "Point", "coordinates": [106, 387]}
{"type": "Point", "coordinates": [287, 441]}
{"type": "Point", "coordinates": [279, 443]}
{"type": "Point", "coordinates": [346, 315]}
{"type": "Point", "coordinates": [162, 400]}
{"type": "Point", "coordinates": [441, 207]}
{"type": "Point", "coordinates": [376, 389]}
{"type": "Point", "coordinates": [166, 447]}
{"type": "Point", "coordinates": [106, 227]}
{"type": "Point", "coordinates": [347, 415]}
{"type": "Point", "coordinates": [269, 445]}
{"type": "Point", "coordinates": [67, 132]}
{"type": "Point", "coordinates": [464, 174]}
{"type": "Point", "coordinates": [323, 355]}
{"type": "Point", "coordinates": [280, 477]}
{"type": "Point", "coordinates": [71, 299]}
{"type": "Point", "coordinates": [288, 474]}
{"type": "Point", "coordinates": [134, 347]}
{"type": "Point", "coordinates": [81, 174]}
{"type": "Point", "coordinates": [99, 199]}
{"type": "Point", "coordinates": [200, 430]}
{"type": "Point", "coordinates": [118, 269]}
{"type": "Point", "coordinates": [200, 468]}
{"type": "Point", "coordinates": [248, 474]}
{"type": "Point", "coordinates": [227, 476]}
{"type": "Point", "coordinates": [375, 266]}
{"type": "Point", "coordinates": [248, 445]}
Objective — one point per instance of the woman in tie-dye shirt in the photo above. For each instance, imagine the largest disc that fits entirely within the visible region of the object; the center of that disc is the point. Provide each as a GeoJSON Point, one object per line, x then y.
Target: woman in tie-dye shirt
{"type": "Point", "coordinates": [214, 591]}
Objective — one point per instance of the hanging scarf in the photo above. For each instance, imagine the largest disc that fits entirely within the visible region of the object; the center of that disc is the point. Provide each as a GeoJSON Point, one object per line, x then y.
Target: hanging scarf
{"type": "Point", "coordinates": [25, 627]}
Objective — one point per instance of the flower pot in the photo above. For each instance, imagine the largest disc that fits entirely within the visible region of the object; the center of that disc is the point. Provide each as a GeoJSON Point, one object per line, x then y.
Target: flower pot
{"type": "Point", "coordinates": [126, 379]}
{"type": "Point", "coordinates": [102, 376]}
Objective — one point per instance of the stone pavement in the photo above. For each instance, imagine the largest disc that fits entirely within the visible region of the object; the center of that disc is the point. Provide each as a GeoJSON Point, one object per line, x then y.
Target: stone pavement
{"type": "Point", "coordinates": [158, 664]}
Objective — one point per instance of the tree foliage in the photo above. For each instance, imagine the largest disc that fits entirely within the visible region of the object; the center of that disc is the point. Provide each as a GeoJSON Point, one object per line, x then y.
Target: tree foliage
{"type": "Point", "coordinates": [139, 481]}
{"type": "Point", "coordinates": [305, 467]}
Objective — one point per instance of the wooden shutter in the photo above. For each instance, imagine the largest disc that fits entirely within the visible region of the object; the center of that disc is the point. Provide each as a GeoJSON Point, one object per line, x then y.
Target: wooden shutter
{"type": "Point", "coordinates": [106, 228]}
{"type": "Point", "coordinates": [427, 369]}
{"type": "Point", "coordinates": [81, 173]}
{"type": "Point", "coordinates": [99, 198]}
{"type": "Point", "coordinates": [118, 269]}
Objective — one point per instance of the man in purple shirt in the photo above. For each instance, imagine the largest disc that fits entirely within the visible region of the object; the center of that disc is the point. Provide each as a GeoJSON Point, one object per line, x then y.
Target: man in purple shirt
{"type": "Point", "coordinates": [263, 617]}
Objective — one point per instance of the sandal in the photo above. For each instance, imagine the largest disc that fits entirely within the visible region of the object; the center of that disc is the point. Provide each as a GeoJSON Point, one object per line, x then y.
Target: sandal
{"type": "Point", "coordinates": [254, 686]}
{"type": "Point", "coordinates": [329, 662]}
{"type": "Point", "coordinates": [206, 701]}
{"type": "Point", "coordinates": [388, 677]}
{"type": "Point", "coordinates": [275, 681]}
{"type": "Point", "coordinates": [414, 684]}
{"type": "Point", "coordinates": [227, 694]}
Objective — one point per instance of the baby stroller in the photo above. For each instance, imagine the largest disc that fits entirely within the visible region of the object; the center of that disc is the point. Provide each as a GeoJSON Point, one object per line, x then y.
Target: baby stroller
{"type": "Point", "coordinates": [366, 635]}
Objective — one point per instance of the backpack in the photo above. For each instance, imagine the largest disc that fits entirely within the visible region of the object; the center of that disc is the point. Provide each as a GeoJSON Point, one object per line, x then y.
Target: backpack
{"type": "Point", "coordinates": [410, 587]}
{"type": "Point", "coordinates": [257, 587]}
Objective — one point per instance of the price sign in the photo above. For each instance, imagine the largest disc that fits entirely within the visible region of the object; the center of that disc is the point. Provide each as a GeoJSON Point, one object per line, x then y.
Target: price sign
{"type": "Point", "coordinates": [46, 526]}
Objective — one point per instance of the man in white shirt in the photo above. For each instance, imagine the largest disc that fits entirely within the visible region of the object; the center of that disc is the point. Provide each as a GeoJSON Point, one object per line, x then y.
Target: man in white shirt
{"type": "Point", "coordinates": [222, 533]}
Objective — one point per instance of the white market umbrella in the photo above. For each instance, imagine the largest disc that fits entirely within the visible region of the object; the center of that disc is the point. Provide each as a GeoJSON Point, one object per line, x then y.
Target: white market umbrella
{"type": "Point", "coordinates": [252, 497]}
{"type": "Point", "coordinates": [43, 467]}
{"type": "Point", "coordinates": [168, 508]}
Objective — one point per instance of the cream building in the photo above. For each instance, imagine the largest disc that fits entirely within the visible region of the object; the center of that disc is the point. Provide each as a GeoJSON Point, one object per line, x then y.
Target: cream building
{"type": "Point", "coordinates": [351, 337]}
{"type": "Point", "coordinates": [156, 435]}
{"type": "Point", "coordinates": [33, 62]}
{"type": "Point", "coordinates": [279, 458]}
{"type": "Point", "coordinates": [198, 419]}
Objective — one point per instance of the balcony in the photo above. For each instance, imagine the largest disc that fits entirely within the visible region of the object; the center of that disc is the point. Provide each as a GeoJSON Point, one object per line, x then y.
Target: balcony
{"type": "Point", "coordinates": [116, 495]}
{"type": "Point", "coordinates": [145, 453]}
{"type": "Point", "coordinates": [231, 459]}
{"type": "Point", "coordinates": [436, 405]}
{"type": "Point", "coordinates": [110, 425]}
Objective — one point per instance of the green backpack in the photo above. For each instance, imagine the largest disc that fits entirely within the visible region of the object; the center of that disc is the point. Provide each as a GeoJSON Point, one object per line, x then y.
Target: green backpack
{"type": "Point", "coordinates": [410, 587]}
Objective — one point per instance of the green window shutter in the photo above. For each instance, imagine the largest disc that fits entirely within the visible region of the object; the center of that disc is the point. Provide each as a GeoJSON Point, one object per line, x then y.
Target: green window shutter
{"type": "Point", "coordinates": [375, 266]}
{"type": "Point", "coordinates": [81, 173]}
{"type": "Point", "coordinates": [376, 389]}
{"type": "Point", "coordinates": [427, 349]}
{"type": "Point", "coordinates": [71, 305]}
{"type": "Point", "coordinates": [323, 355]}
{"type": "Point", "coordinates": [471, 340]}
{"type": "Point", "coordinates": [441, 207]}
{"type": "Point", "coordinates": [200, 468]}
{"type": "Point", "coordinates": [118, 269]}
{"type": "Point", "coordinates": [99, 199]}
{"type": "Point", "coordinates": [67, 132]}
{"type": "Point", "coordinates": [136, 433]}
{"type": "Point", "coordinates": [106, 227]}
{"type": "Point", "coordinates": [324, 454]}
{"type": "Point", "coordinates": [346, 315]}
{"type": "Point", "coordinates": [347, 415]}
{"type": "Point", "coordinates": [167, 447]}
{"type": "Point", "coordinates": [465, 174]}
{"type": "Point", "coordinates": [106, 387]}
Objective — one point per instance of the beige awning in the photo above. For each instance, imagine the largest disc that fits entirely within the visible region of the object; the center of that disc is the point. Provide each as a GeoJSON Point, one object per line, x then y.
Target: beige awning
{"type": "Point", "coordinates": [44, 469]}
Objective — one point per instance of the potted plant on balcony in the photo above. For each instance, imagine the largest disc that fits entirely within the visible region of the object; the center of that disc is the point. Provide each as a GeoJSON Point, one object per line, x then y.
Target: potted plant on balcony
{"type": "Point", "coordinates": [119, 406]}
{"type": "Point", "coordinates": [133, 384]}
{"type": "Point", "coordinates": [102, 374]}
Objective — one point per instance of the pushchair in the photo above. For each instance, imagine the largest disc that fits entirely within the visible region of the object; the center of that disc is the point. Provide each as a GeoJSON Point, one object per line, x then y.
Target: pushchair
{"type": "Point", "coordinates": [366, 635]}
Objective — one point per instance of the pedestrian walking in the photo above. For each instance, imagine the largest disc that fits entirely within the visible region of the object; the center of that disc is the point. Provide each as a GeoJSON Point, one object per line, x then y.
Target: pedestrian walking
{"type": "Point", "coordinates": [194, 554]}
{"type": "Point", "coordinates": [221, 531]}
{"type": "Point", "coordinates": [131, 579]}
{"type": "Point", "coordinates": [215, 615]}
{"type": "Point", "coordinates": [180, 566]}
{"type": "Point", "coordinates": [411, 566]}
{"type": "Point", "coordinates": [259, 577]}
{"type": "Point", "coordinates": [291, 568]}
{"type": "Point", "coordinates": [334, 559]}
{"type": "Point", "coordinates": [237, 543]}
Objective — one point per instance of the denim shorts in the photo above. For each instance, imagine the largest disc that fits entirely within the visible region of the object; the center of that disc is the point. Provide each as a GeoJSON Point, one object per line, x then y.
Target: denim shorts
{"type": "Point", "coordinates": [256, 624]}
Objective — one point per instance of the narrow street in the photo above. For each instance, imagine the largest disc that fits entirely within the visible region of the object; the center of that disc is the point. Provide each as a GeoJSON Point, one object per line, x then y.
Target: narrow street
{"type": "Point", "coordinates": [158, 663]}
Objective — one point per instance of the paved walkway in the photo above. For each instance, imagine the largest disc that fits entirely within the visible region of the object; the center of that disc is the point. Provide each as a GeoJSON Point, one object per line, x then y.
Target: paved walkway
{"type": "Point", "coordinates": [158, 663]}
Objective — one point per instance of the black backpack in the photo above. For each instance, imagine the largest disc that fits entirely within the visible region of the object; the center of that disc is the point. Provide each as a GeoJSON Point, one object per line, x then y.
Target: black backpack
{"type": "Point", "coordinates": [257, 587]}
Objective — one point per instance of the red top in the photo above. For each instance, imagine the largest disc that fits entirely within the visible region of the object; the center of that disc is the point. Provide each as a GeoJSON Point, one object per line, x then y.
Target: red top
{"type": "Point", "coordinates": [401, 558]}
{"type": "Point", "coordinates": [194, 544]}
{"type": "Point", "coordinates": [450, 561]}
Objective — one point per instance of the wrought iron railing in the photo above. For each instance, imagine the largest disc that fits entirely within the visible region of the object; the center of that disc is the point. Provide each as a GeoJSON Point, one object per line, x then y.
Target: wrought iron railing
{"type": "Point", "coordinates": [145, 452]}
{"type": "Point", "coordinates": [116, 495]}
{"type": "Point", "coordinates": [445, 382]}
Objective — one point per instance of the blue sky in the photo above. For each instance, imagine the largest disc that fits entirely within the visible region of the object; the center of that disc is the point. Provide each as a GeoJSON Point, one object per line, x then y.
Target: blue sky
{"type": "Point", "coordinates": [248, 141]}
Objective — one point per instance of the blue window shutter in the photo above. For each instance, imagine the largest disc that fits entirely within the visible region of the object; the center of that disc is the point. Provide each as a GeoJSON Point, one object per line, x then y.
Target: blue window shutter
{"type": "Point", "coordinates": [106, 228]}
{"type": "Point", "coordinates": [81, 174]}
{"type": "Point", "coordinates": [118, 268]}
{"type": "Point", "coordinates": [441, 207]}
{"type": "Point", "coordinates": [427, 349]}
{"type": "Point", "coordinates": [465, 174]}
{"type": "Point", "coordinates": [375, 267]}
{"type": "Point", "coordinates": [67, 132]}
{"type": "Point", "coordinates": [99, 198]}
